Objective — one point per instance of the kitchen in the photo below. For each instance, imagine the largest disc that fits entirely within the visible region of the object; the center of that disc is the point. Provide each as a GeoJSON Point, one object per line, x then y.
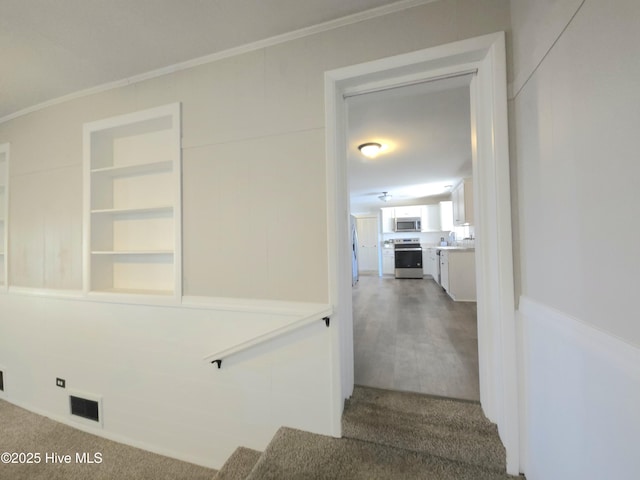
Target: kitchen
{"type": "Point", "coordinates": [412, 205]}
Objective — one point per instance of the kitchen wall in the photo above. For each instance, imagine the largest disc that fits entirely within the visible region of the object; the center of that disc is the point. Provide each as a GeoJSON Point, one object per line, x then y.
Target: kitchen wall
{"type": "Point", "coordinates": [574, 119]}
{"type": "Point", "coordinates": [254, 231]}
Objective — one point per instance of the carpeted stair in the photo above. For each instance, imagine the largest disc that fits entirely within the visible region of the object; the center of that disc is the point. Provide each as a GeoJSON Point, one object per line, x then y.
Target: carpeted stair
{"type": "Point", "coordinates": [386, 435]}
{"type": "Point", "coordinates": [238, 465]}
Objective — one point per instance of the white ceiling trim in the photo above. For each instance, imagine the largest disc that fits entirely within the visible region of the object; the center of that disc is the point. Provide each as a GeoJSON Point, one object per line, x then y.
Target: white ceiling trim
{"type": "Point", "coordinates": [268, 42]}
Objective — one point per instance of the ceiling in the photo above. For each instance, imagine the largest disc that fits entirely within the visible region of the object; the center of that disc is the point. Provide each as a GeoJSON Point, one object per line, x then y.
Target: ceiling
{"type": "Point", "coordinates": [49, 49]}
{"type": "Point", "coordinates": [427, 133]}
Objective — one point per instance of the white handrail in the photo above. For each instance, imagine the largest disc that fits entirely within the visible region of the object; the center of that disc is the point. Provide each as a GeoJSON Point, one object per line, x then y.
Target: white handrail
{"type": "Point", "coordinates": [217, 357]}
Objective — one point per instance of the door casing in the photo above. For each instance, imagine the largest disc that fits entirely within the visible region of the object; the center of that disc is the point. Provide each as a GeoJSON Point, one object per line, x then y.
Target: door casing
{"type": "Point", "coordinates": [492, 198]}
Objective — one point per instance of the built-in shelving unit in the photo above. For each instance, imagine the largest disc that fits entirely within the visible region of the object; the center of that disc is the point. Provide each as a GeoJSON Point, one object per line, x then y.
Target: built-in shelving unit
{"type": "Point", "coordinates": [133, 204]}
{"type": "Point", "coordinates": [4, 214]}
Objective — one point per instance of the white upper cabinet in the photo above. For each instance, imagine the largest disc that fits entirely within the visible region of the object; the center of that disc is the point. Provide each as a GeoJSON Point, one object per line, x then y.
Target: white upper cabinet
{"type": "Point", "coordinates": [4, 214]}
{"type": "Point", "coordinates": [133, 203]}
{"type": "Point", "coordinates": [462, 202]}
{"type": "Point", "coordinates": [388, 219]}
{"type": "Point", "coordinates": [431, 218]}
{"type": "Point", "coordinates": [446, 216]}
{"type": "Point", "coordinates": [414, 211]}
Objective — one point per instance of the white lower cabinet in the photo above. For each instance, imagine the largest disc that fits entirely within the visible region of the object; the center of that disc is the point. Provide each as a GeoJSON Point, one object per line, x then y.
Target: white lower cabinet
{"type": "Point", "coordinates": [388, 261]}
{"type": "Point", "coordinates": [431, 262]}
{"type": "Point", "coordinates": [458, 274]}
{"type": "Point", "coordinates": [444, 270]}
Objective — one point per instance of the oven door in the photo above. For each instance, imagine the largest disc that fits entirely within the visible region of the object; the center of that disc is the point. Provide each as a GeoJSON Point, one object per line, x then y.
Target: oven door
{"type": "Point", "coordinates": [408, 262]}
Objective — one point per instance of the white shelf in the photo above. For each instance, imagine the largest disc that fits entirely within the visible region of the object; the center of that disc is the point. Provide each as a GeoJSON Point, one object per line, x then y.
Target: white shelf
{"type": "Point", "coordinates": [132, 252]}
{"type": "Point", "coordinates": [135, 291]}
{"type": "Point", "coordinates": [168, 209]}
{"type": "Point", "coordinates": [132, 170]}
{"type": "Point", "coordinates": [133, 204]}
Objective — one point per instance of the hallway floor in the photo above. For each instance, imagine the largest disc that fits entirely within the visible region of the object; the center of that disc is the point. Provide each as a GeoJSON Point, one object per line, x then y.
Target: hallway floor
{"type": "Point", "coordinates": [409, 335]}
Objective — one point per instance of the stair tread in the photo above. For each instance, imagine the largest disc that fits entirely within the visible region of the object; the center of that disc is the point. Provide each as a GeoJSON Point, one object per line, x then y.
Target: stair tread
{"type": "Point", "coordinates": [446, 428]}
{"type": "Point", "coordinates": [239, 464]}
{"type": "Point", "coordinates": [455, 412]}
{"type": "Point", "coordinates": [294, 454]}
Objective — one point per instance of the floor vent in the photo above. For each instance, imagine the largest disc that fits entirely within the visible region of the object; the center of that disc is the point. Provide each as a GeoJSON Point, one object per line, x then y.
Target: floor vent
{"type": "Point", "coordinates": [85, 408]}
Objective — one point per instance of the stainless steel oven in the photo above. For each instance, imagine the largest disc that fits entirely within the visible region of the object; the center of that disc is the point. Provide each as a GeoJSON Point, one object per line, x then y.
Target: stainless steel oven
{"type": "Point", "coordinates": [408, 258]}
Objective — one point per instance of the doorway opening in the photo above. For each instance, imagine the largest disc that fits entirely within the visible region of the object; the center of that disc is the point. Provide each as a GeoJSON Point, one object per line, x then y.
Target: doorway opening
{"type": "Point", "coordinates": [497, 354]}
{"type": "Point", "coordinates": [414, 330]}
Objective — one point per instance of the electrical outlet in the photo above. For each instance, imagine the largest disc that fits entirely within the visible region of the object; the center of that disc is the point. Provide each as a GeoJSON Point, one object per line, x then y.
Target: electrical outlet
{"type": "Point", "coordinates": [60, 382]}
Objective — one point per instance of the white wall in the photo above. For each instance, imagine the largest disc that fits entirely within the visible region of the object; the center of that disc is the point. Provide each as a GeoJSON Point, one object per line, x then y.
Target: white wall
{"type": "Point", "coordinates": [574, 120]}
{"type": "Point", "coordinates": [253, 157]}
{"type": "Point", "coordinates": [253, 161]}
{"type": "Point", "coordinates": [146, 363]}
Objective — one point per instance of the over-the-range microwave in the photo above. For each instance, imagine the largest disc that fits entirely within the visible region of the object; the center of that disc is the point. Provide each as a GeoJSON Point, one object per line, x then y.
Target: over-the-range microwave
{"type": "Point", "coordinates": [408, 224]}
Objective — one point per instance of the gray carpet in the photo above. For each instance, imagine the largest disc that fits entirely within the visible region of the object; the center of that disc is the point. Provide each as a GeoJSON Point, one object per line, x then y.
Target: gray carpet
{"type": "Point", "coordinates": [297, 455]}
{"type": "Point", "coordinates": [387, 435]}
{"type": "Point", "coordinates": [457, 430]}
{"type": "Point", "coordinates": [239, 464]}
{"type": "Point", "coordinates": [391, 435]}
{"type": "Point", "coordinates": [23, 431]}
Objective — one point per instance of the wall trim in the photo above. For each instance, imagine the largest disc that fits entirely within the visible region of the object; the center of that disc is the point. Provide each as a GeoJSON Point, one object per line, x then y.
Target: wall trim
{"type": "Point", "coordinates": [579, 389]}
{"type": "Point", "coordinates": [231, 52]}
{"type": "Point", "coordinates": [226, 304]}
{"type": "Point", "coordinates": [625, 355]}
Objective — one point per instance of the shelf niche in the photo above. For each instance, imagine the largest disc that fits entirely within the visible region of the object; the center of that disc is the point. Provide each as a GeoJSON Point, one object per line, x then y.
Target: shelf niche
{"type": "Point", "coordinates": [132, 167]}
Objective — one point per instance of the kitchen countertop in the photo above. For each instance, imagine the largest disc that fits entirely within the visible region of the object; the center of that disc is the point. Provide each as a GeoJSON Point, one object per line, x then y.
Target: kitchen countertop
{"type": "Point", "coordinates": [460, 248]}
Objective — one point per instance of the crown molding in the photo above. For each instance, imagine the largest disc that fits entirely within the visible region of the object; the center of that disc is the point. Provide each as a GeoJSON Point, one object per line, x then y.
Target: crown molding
{"type": "Point", "coordinates": [231, 52]}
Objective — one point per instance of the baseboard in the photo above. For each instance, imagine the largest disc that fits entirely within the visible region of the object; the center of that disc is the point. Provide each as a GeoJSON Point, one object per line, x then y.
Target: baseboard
{"type": "Point", "coordinates": [580, 395]}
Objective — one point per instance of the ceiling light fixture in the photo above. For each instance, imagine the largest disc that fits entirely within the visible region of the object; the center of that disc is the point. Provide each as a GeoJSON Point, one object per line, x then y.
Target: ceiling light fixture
{"type": "Point", "coordinates": [370, 149]}
{"type": "Point", "coordinates": [385, 197]}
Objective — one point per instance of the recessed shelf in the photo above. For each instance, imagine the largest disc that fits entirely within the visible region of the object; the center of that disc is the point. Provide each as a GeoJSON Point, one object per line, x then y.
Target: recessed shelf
{"type": "Point", "coordinates": [133, 203]}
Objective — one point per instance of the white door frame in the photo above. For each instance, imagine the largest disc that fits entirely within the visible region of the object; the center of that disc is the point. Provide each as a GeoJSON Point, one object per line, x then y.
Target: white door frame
{"type": "Point", "coordinates": [492, 199]}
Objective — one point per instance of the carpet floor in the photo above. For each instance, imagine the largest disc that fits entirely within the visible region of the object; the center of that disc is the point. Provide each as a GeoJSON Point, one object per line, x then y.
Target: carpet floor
{"type": "Point", "coordinates": [297, 455]}
{"type": "Point", "coordinates": [457, 430]}
{"type": "Point", "coordinates": [387, 435]}
{"type": "Point", "coordinates": [24, 431]}
{"type": "Point", "coordinates": [239, 464]}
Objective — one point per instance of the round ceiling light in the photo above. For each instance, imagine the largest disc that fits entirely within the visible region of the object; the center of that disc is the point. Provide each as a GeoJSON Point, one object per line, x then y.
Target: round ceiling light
{"type": "Point", "coordinates": [370, 149]}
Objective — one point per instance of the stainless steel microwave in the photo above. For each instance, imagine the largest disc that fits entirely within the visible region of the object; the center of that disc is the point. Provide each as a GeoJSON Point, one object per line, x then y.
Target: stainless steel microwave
{"type": "Point", "coordinates": [408, 224]}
